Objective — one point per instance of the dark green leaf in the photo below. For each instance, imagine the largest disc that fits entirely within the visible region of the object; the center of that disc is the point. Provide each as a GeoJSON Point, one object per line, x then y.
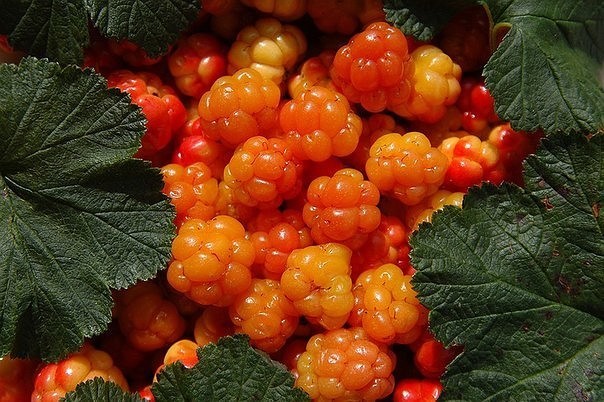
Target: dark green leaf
{"type": "Point", "coordinates": [516, 277]}
{"type": "Point", "coordinates": [228, 371]}
{"type": "Point", "coordinates": [56, 29]}
{"type": "Point", "coordinates": [544, 73]}
{"type": "Point", "coordinates": [422, 19]}
{"type": "Point", "coordinates": [153, 24]}
{"type": "Point", "coordinates": [98, 390]}
{"type": "Point", "coordinates": [77, 214]}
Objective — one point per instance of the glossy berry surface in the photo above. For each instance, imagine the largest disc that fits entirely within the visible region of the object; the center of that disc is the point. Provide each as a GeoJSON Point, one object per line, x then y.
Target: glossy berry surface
{"type": "Point", "coordinates": [263, 172]}
{"type": "Point", "coordinates": [319, 123]}
{"type": "Point", "coordinates": [269, 47]}
{"type": "Point", "coordinates": [238, 107]}
{"type": "Point", "coordinates": [342, 207]}
{"type": "Point", "coordinates": [406, 166]}
{"type": "Point", "coordinates": [265, 314]}
{"type": "Point", "coordinates": [344, 364]}
{"type": "Point", "coordinates": [372, 67]}
{"type": "Point", "coordinates": [212, 260]}
{"type": "Point", "coordinates": [317, 280]}
{"type": "Point", "coordinates": [54, 380]}
{"type": "Point", "coordinates": [198, 61]}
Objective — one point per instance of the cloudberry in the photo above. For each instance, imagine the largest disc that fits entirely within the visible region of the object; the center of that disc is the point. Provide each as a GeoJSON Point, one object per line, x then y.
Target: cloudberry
{"type": "Point", "coordinates": [239, 106]}
{"type": "Point", "coordinates": [471, 161]}
{"type": "Point", "coordinates": [163, 110]}
{"type": "Point", "coordinates": [263, 172]}
{"type": "Point", "coordinates": [406, 166]}
{"type": "Point", "coordinates": [198, 60]}
{"type": "Point", "coordinates": [434, 86]}
{"type": "Point", "coordinates": [146, 318]}
{"type": "Point", "coordinates": [319, 123]}
{"type": "Point", "coordinates": [265, 314]}
{"type": "Point", "coordinates": [342, 208]}
{"type": "Point", "coordinates": [344, 364]}
{"type": "Point", "coordinates": [317, 280]}
{"type": "Point", "coordinates": [54, 380]}
{"type": "Point", "coordinates": [386, 306]}
{"type": "Point", "coordinates": [212, 260]}
{"type": "Point", "coordinates": [269, 47]}
{"type": "Point", "coordinates": [192, 190]}
{"type": "Point", "coordinates": [212, 324]}
{"type": "Point", "coordinates": [374, 69]}
{"type": "Point", "coordinates": [314, 71]}
{"type": "Point", "coordinates": [275, 235]}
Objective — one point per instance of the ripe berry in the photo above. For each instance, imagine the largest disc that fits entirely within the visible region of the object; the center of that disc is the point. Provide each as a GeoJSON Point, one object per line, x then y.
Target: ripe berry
{"type": "Point", "coordinates": [192, 190]}
{"type": "Point", "coordinates": [417, 390]}
{"type": "Point", "coordinates": [386, 306]}
{"type": "Point", "coordinates": [146, 318]}
{"type": "Point", "coordinates": [212, 324]}
{"type": "Point", "coordinates": [238, 107]}
{"type": "Point", "coordinates": [163, 110]}
{"type": "Point", "coordinates": [199, 148]}
{"type": "Point", "coordinates": [265, 314]}
{"type": "Point", "coordinates": [54, 380]}
{"type": "Point", "coordinates": [212, 260]}
{"type": "Point", "coordinates": [314, 71]}
{"type": "Point", "coordinates": [342, 208]}
{"type": "Point", "coordinates": [269, 47]}
{"type": "Point", "coordinates": [374, 126]}
{"type": "Point", "coordinates": [275, 235]}
{"type": "Point", "coordinates": [344, 364]}
{"type": "Point", "coordinates": [263, 172]}
{"type": "Point", "coordinates": [319, 123]}
{"type": "Point", "coordinates": [513, 146]}
{"type": "Point", "coordinates": [317, 280]}
{"type": "Point", "coordinates": [198, 61]}
{"type": "Point", "coordinates": [406, 166]}
{"type": "Point", "coordinates": [471, 161]}
{"type": "Point", "coordinates": [131, 53]}
{"type": "Point", "coordinates": [434, 86]}
{"type": "Point", "coordinates": [374, 67]}
{"type": "Point", "coordinates": [477, 106]}
{"type": "Point", "coordinates": [183, 351]}
{"type": "Point", "coordinates": [430, 356]}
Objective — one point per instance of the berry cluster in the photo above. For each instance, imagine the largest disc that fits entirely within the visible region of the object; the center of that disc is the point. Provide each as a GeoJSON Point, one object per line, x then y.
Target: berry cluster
{"type": "Point", "coordinates": [298, 167]}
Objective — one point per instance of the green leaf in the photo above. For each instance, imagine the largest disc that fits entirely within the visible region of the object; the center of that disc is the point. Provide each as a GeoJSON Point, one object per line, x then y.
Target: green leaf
{"type": "Point", "coordinates": [46, 28]}
{"type": "Point", "coordinates": [422, 19]}
{"type": "Point", "coordinates": [78, 215]}
{"type": "Point", "coordinates": [229, 371]}
{"type": "Point", "coordinates": [516, 277]}
{"type": "Point", "coordinates": [99, 390]}
{"type": "Point", "coordinates": [152, 23]}
{"type": "Point", "coordinates": [58, 29]}
{"type": "Point", "coordinates": [544, 72]}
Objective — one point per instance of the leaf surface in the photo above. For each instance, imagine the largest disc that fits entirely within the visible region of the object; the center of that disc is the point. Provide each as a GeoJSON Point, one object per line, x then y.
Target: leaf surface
{"type": "Point", "coordinates": [58, 29]}
{"type": "Point", "coordinates": [152, 23]}
{"type": "Point", "coordinates": [544, 72]}
{"type": "Point", "coordinates": [229, 371]}
{"type": "Point", "coordinates": [98, 390]}
{"type": "Point", "coordinates": [78, 215]}
{"type": "Point", "coordinates": [516, 277]}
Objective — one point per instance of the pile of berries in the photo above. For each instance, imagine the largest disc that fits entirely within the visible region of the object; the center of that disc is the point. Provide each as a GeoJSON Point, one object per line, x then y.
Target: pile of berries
{"type": "Point", "coordinates": [298, 168]}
